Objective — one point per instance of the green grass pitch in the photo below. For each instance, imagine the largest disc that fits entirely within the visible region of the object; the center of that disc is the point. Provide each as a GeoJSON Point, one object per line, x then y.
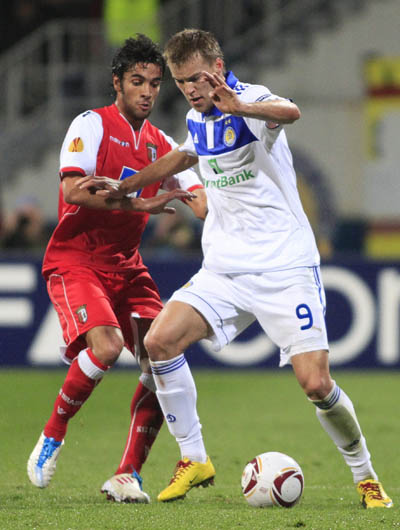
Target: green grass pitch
{"type": "Point", "coordinates": [243, 414]}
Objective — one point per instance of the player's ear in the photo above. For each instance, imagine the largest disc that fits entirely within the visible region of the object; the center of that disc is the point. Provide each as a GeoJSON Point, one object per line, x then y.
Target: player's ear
{"type": "Point", "coordinates": [219, 65]}
{"type": "Point", "coordinates": [116, 83]}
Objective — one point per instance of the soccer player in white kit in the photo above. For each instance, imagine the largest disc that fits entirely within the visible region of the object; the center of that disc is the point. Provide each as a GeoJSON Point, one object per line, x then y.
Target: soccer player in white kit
{"type": "Point", "coordinates": [260, 259]}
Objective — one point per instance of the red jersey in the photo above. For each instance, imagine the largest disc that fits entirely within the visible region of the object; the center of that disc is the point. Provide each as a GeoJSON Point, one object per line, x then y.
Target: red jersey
{"type": "Point", "coordinates": [103, 142]}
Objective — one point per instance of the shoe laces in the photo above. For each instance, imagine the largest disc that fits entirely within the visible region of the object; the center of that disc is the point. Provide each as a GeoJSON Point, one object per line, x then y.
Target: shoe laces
{"type": "Point", "coordinates": [373, 490]}
{"type": "Point", "coordinates": [49, 446]}
{"type": "Point", "coordinates": [180, 469]}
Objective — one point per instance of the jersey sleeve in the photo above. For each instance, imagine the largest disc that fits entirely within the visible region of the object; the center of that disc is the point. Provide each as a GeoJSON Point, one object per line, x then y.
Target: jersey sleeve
{"type": "Point", "coordinates": [168, 139]}
{"type": "Point", "coordinates": [267, 132]}
{"type": "Point", "coordinates": [81, 144]}
{"type": "Point", "coordinates": [188, 146]}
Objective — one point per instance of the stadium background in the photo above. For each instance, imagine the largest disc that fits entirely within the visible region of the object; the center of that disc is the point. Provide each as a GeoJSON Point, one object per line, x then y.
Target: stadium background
{"type": "Point", "coordinates": [339, 60]}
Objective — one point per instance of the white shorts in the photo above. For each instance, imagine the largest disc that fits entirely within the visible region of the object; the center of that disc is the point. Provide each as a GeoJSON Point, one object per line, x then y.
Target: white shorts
{"type": "Point", "coordinates": [289, 305]}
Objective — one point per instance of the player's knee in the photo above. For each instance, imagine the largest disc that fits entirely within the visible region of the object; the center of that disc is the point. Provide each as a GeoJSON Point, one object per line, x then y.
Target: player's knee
{"type": "Point", "coordinates": [159, 346]}
{"type": "Point", "coordinates": [317, 386]}
{"type": "Point", "coordinates": [154, 345]}
{"type": "Point", "coordinates": [109, 349]}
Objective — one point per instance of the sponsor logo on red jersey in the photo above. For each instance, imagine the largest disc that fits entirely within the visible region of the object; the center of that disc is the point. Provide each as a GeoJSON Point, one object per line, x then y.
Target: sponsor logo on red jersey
{"type": "Point", "coordinates": [120, 142]}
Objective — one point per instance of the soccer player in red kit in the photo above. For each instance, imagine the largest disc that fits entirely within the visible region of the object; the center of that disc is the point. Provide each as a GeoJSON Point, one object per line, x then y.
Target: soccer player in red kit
{"type": "Point", "coordinates": [97, 282]}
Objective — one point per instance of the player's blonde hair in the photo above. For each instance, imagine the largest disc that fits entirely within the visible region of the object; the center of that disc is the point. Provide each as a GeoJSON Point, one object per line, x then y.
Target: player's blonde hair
{"type": "Point", "coordinates": [188, 42]}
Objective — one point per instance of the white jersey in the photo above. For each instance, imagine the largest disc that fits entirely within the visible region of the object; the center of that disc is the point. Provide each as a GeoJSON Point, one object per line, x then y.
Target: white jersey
{"type": "Point", "coordinates": [255, 222]}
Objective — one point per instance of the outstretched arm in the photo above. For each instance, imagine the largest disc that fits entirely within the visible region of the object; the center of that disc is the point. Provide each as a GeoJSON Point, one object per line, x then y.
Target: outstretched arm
{"type": "Point", "coordinates": [169, 164]}
{"type": "Point", "coordinates": [227, 101]}
{"type": "Point", "coordinates": [73, 194]}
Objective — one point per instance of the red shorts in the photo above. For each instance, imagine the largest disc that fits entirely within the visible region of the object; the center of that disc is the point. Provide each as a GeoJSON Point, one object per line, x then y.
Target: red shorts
{"type": "Point", "coordinates": [85, 298]}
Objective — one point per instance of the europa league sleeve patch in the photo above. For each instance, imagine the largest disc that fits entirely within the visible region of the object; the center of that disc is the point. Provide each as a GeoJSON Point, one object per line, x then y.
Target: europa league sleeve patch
{"type": "Point", "coordinates": [76, 146]}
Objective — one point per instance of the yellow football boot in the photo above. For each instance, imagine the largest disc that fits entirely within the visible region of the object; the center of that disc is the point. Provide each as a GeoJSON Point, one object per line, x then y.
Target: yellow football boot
{"type": "Point", "coordinates": [373, 495]}
{"type": "Point", "coordinates": [188, 475]}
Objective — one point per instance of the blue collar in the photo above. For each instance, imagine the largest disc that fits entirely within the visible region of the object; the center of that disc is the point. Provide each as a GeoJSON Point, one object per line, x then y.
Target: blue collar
{"type": "Point", "coordinates": [231, 81]}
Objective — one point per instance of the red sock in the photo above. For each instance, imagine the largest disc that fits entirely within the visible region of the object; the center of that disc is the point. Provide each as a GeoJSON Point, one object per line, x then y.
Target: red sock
{"type": "Point", "coordinates": [74, 392]}
{"type": "Point", "coordinates": [146, 422]}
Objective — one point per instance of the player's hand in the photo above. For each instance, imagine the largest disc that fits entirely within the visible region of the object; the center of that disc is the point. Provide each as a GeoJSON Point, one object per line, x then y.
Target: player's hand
{"type": "Point", "coordinates": [158, 204]}
{"type": "Point", "coordinates": [104, 186]}
{"type": "Point", "coordinates": [223, 97]}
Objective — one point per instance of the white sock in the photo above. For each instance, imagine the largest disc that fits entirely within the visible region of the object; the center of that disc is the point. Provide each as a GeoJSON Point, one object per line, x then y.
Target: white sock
{"type": "Point", "coordinates": [90, 365]}
{"type": "Point", "coordinates": [176, 392]}
{"type": "Point", "coordinates": [337, 416]}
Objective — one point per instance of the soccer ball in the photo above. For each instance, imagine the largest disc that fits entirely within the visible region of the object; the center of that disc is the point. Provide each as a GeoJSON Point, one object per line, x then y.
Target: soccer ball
{"type": "Point", "coordinates": [272, 479]}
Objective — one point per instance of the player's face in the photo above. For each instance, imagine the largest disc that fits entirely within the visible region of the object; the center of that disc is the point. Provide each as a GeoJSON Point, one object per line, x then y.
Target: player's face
{"type": "Point", "coordinates": [137, 91]}
{"type": "Point", "coordinates": [192, 83]}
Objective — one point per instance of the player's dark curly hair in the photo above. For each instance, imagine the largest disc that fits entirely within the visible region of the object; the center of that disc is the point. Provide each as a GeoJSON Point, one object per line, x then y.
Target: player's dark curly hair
{"type": "Point", "coordinates": [137, 50]}
{"type": "Point", "coordinates": [188, 42]}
